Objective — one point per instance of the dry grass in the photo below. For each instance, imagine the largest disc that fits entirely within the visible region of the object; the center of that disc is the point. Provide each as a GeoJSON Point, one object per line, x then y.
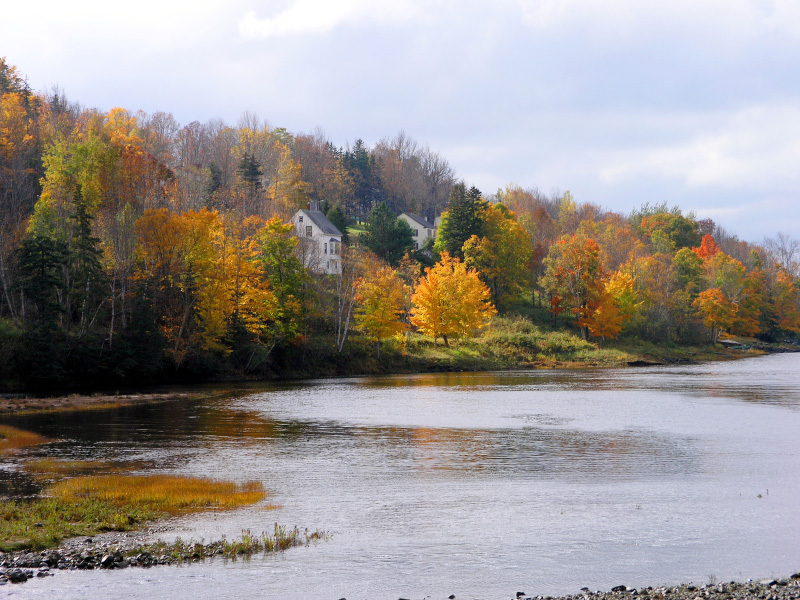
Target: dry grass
{"type": "Point", "coordinates": [164, 493]}
{"type": "Point", "coordinates": [11, 438]}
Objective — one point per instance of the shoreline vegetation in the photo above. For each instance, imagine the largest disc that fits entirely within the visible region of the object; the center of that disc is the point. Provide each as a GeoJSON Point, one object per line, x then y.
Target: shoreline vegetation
{"type": "Point", "coordinates": [508, 344]}
{"type": "Point", "coordinates": [74, 503]}
{"type": "Point", "coordinates": [117, 551]}
{"type": "Point", "coordinates": [93, 498]}
{"type": "Point", "coordinates": [135, 249]}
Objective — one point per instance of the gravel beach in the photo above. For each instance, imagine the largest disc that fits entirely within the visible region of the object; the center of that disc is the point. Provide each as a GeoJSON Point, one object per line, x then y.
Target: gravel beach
{"type": "Point", "coordinates": [129, 550]}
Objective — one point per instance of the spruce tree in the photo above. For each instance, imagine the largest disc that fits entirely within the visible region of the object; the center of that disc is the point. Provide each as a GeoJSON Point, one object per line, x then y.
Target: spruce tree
{"type": "Point", "coordinates": [463, 219]}
{"type": "Point", "coordinates": [87, 274]}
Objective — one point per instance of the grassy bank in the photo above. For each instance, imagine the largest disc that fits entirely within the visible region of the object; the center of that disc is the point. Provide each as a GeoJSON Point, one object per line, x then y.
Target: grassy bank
{"type": "Point", "coordinates": [90, 504]}
{"type": "Point", "coordinates": [509, 343]}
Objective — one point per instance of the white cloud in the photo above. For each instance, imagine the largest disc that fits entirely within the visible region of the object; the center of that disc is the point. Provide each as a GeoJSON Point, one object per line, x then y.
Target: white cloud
{"type": "Point", "coordinates": [728, 19]}
{"type": "Point", "coordinates": [755, 147]}
{"type": "Point", "coordinates": [321, 16]}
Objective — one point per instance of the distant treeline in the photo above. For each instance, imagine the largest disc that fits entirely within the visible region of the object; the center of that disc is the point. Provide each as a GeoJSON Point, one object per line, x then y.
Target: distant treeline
{"type": "Point", "coordinates": [135, 249]}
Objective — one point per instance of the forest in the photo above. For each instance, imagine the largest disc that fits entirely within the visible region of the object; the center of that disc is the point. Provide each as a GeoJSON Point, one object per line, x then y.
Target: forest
{"type": "Point", "coordinates": [137, 249]}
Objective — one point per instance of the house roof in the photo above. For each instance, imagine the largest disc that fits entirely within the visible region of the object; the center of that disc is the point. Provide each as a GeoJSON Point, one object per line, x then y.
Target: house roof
{"type": "Point", "coordinates": [321, 221]}
{"type": "Point", "coordinates": [422, 222]}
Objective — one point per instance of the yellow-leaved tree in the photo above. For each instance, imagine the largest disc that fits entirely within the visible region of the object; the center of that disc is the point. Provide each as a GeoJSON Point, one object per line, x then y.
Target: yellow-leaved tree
{"type": "Point", "coordinates": [382, 297]}
{"type": "Point", "coordinates": [616, 303]}
{"type": "Point", "coordinates": [502, 256]}
{"type": "Point", "coordinates": [451, 301]}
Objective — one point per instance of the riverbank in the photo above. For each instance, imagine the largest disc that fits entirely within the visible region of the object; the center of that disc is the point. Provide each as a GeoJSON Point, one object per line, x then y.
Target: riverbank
{"type": "Point", "coordinates": [511, 342]}
{"type": "Point", "coordinates": [121, 551]}
{"type": "Point", "coordinates": [497, 352]}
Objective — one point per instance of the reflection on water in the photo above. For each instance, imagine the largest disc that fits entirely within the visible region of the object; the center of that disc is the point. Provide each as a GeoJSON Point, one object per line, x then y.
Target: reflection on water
{"type": "Point", "coordinates": [472, 483]}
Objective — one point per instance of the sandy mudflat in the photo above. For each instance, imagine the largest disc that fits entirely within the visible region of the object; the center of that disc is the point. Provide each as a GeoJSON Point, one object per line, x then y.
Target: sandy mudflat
{"type": "Point", "coordinates": [18, 404]}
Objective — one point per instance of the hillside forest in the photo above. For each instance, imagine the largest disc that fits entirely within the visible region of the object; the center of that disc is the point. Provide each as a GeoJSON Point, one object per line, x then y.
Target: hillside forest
{"type": "Point", "coordinates": [136, 249]}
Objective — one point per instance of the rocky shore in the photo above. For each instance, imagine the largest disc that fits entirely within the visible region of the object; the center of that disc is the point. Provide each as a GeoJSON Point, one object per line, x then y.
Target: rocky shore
{"type": "Point", "coordinates": [121, 551]}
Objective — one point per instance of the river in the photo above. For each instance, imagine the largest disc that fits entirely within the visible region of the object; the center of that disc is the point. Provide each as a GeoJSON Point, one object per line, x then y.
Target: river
{"type": "Point", "coordinates": [473, 484]}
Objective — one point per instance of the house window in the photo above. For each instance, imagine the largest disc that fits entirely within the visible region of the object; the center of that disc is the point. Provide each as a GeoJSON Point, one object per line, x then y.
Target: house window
{"type": "Point", "coordinates": [309, 231]}
{"type": "Point", "coordinates": [416, 245]}
{"type": "Point", "coordinates": [326, 247]}
{"type": "Point", "coordinates": [334, 247]}
{"type": "Point", "coordinates": [416, 233]}
{"type": "Point", "coordinates": [300, 218]}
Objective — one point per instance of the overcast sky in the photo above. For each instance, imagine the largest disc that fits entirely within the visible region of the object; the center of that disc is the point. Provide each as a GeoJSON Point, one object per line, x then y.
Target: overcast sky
{"type": "Point", "coordinates": [692, 102]}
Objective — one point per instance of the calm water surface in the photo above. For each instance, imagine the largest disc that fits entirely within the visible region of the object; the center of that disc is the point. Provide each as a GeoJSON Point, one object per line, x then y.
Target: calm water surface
{"type": "Point", "coordinates": [475, 484]}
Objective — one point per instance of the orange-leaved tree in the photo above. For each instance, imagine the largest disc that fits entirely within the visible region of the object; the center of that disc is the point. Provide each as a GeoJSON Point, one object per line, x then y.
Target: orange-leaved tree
{"type": "Point", "coordinates": [717, 311]}
{"type": "Point", "coordinates": [708, 247]}
{"type": "Point", "coordinates": [451, 301]}
{"type": "Point", "coordinates": [616, 303]}
{"type": "Point", "coordinates": [786, 302]}
{"type": "Point", "coordinates": [574, 273]}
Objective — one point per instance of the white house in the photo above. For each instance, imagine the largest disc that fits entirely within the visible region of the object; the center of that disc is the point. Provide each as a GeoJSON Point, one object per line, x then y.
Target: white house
{"type": "Point", "coordinates": [320, 241]}
{"type": "Point", "coordinates": [420, 228]}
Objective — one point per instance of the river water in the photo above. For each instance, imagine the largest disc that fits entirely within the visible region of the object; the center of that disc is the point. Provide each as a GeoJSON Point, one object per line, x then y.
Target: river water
{"type": "Point", "coordinates": [473, 484]}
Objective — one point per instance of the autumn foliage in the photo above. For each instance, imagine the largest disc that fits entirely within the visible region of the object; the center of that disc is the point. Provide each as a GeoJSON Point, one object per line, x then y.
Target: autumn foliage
{"type": "Point", "coordinates": [134, 248]}
{"type": "Point", "coordinates": [451, 301]}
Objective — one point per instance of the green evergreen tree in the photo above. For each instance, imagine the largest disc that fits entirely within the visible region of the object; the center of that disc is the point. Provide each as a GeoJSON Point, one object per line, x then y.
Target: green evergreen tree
{"type": "Point", "coordinates": [87, 275]}
{"type": "Point", "coordinates": [250, 172]}
{"type": "Point", "coordinates": [336, 216]}
{"type": "Point", "coordinates": [387, 235]}
{"type": "Point", "coordinates": [369, 188]}
{"type": "Point", "coordinates": [214, 181]}
{"type": "Point", "coordinates": [41, 261]}
{"type": "Point", "coordinates": [142, 344]}
{"type": "Point", "coordinates": [463, 219]}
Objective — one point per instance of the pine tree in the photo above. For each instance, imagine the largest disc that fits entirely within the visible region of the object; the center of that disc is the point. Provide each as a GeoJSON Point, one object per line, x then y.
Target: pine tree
{"type": "Point", "coordinates": [464, 218]}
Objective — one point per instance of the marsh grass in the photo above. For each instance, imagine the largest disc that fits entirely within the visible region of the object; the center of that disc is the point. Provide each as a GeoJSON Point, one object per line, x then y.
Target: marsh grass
{"type": "Point", "coordinates": [90, 504]}
{"type": "Point", "coordinates": [164, 493]}
{"type": "Point", "coordinates": [44, 522]}
{"type": "Point", "coordinates": [11, 438]}
{"type": "Point", "coordinates": [280, 539]}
